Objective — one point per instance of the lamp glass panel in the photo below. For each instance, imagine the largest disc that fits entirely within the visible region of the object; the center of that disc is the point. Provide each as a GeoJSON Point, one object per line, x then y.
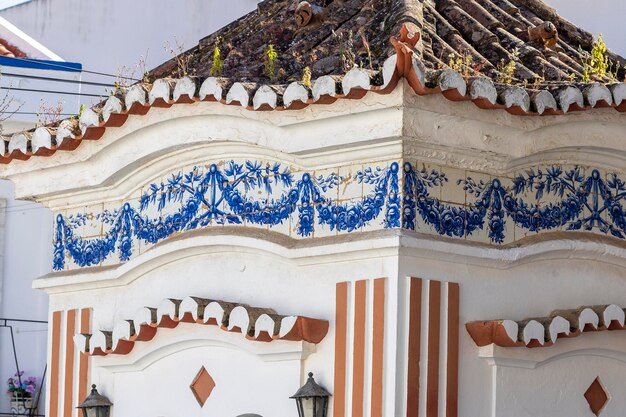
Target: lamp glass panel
{"type": "Point", "coordinates": [308, 407]}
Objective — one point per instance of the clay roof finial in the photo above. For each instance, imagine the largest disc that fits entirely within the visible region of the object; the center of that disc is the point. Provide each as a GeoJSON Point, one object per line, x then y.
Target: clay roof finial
{"type": "Point", "coordinates": [306, 13]}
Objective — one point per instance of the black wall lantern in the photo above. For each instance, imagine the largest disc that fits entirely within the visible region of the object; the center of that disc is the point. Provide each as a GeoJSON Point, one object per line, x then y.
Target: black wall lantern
{"type": "Point", "coordinates": [96, 405]}
{"type": "Point", "coordinates": [311, 399]}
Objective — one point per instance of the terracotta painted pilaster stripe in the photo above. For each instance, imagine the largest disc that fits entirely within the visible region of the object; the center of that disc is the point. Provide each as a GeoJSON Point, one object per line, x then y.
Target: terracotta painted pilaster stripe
{"type": "Point", "coordinates": [83, 359]}
{"type": "Point", "coordinates": [68, 387]}
{"type": "Point", "coordinates": [341, 328]}
{"type": "Point", "coordinates": [55, 363]}
{"type": "Point", "coordinates": [415, 329]}
{"type": "Point", "coordinates": [434, 322]}
{"type": "Point", "coordinates": [358, 356]}
{"type": "Point", "coordinates": [452, 370]}
{"type": "Point", "coordinates": [378, 348]}
{"type": "Point", "coordinates": [433, 357]}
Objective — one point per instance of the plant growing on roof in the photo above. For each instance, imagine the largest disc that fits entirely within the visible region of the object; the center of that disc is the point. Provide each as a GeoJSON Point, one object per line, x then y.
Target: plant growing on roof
{"type": "Point", "coordinates": [8, 105]}
{"type": "Point", "coordinates": [463, 64]}
{"type": "Point", "coordinates": [181, 58]}
{"type": "Point", "coordinates": [597, 63]}
{"type": "Point", "coordinates": [366, 44]}
{"type": "Point", "coordinates": [143, 68]}
{"type": "Point", "coordinates": [218, 63]}
{"type": "Point", "coordinates": [539, 80]}
{"type": "Point", "coordinates": [306, 77]}
{"type": "Point", "coordinates": [269, 58]}
{"type": "Point", "coordinates": [125, 75]}
{"type": "Point", "coordinates": [506, 70]}
{"type": "Point", "coordinates": [346, 49]}
{"type": "Point", "coordinates": [49, 114]}
{"type": "Point", "coordinates": [122, 77]}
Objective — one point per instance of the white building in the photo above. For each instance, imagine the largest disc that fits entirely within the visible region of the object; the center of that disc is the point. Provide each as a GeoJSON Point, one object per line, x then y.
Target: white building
{"type": "Point", "coordinates": [104, 35]}
{"type": "Point", "coordinates": [430, 238]}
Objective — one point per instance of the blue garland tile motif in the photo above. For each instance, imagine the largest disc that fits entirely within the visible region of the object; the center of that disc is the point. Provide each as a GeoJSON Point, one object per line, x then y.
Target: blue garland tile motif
{"type": "Point", "coordinates": [582, 202]}
{"type": "Point", "coordinates": [539, 200]}
{"type": "Point", "coordinates": [220, 196]}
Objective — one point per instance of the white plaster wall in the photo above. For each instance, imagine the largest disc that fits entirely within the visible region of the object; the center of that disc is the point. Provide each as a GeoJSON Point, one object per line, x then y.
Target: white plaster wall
{"type": "Point", "coordinates": [554, 386]}
{"type": "Point", "coordinates": [237, 269]}
{"type": "Point", "coordinates": [250, 271]}
{"type": "Point", "coordinates": [513, 282]}
{"type": "Point", "coordinates": [495, 283]}
{"type": "Point", "coordinates": [523, 289]}
{"type": "Point", "coordinates": [241, 380]}
{"type": "Point", "coordinates": [27, 235]}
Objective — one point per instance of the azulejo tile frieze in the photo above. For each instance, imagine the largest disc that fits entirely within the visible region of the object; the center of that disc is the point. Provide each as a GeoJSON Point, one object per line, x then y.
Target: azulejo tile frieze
{"type": "Point", "coordinates": [228, 194]}
{"type": "Point", "coordinates": [308, 204]}
{"type": "Point", "coordinates": [536, 200]}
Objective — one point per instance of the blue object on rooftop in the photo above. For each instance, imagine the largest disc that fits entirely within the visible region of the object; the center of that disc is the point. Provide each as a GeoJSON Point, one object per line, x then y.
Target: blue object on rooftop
{"type": "Point", "coordinates": [41, 64]}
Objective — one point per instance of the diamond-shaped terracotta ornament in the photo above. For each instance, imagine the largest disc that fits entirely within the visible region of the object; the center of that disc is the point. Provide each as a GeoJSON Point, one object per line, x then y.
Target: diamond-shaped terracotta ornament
{"type": "Point", "coordinates": [202, 386]}
{"type": "Point", "coordinates": [596, 396]}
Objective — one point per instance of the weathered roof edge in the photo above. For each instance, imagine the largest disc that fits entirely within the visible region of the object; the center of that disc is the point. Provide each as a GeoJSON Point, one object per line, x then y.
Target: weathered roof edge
{"type": "Point", "coordinates": [559, 99]}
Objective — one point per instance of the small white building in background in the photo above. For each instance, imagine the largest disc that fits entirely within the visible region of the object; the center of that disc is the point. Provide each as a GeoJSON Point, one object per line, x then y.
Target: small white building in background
{"type": "Point", "coordinates": [103, 35]}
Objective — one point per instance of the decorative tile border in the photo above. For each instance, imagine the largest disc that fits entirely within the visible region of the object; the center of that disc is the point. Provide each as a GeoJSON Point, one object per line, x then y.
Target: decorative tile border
{"type": "Point", "coordinates": [538, 200]}
{"type": "Point", "coordinates": [313, 204]}
{"type": "Point", "coordinates": [223, 195]}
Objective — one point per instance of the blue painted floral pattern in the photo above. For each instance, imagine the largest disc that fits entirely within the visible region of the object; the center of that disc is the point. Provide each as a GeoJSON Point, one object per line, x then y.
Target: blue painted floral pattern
{"type": "Point", "coordinates": [580, 203]}
{"type": "Point", "coordinates": [538, 200]}
{"type": "Point", "coordinates": [221, 196]}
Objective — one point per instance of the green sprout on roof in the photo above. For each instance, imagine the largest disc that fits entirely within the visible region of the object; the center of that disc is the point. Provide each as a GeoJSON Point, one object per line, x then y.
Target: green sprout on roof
{"type": "Point", "coordinates": [306, 77]}
{"type": "Point", "coordinates": [218, 63]}
{"type": "Point", "coordinates": [597, 63]}
{"type": "Point", "coordinates": [462, 63]}
{"type": "Point", "coordinates": [506, 70]}
{"type": "Point", "coordinates": [270, 57]}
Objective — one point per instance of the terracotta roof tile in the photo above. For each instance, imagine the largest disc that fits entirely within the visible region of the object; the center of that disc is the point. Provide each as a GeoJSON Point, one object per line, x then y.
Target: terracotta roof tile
{"type": "Point", "coordinates": [487, 30]}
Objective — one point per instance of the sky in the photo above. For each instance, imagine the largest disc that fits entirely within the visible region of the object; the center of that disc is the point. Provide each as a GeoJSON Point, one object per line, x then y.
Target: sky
{"type": "Point", "coordinates": [597, 16]}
